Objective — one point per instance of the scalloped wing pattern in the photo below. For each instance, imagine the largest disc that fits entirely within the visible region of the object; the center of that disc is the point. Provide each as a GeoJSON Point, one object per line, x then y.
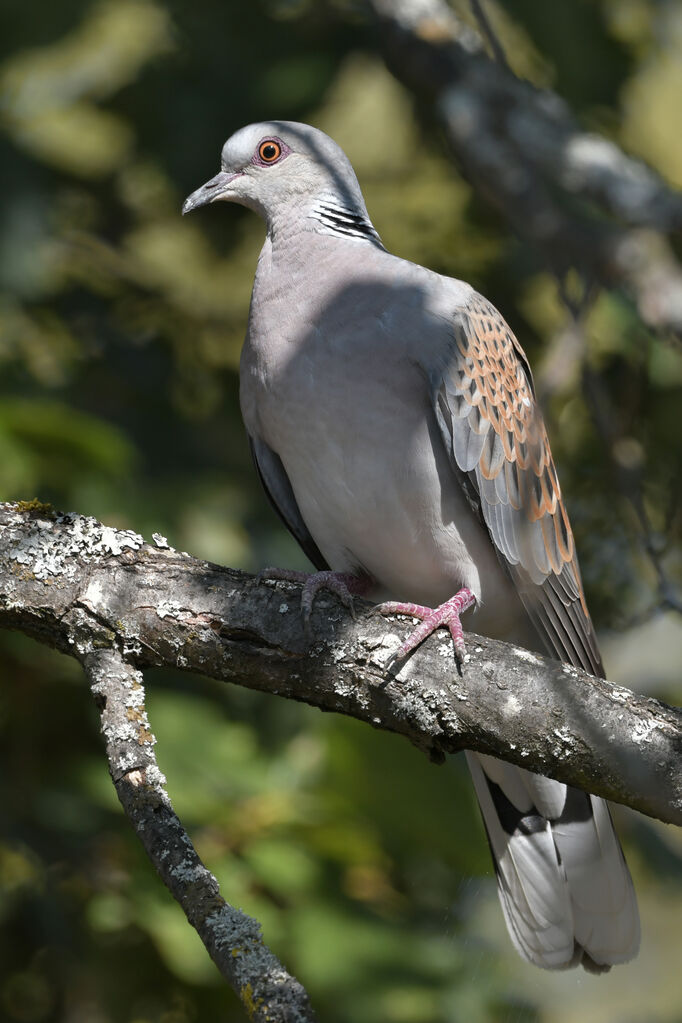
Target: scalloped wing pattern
{"type": "Point", "coordinates": [492, 425]}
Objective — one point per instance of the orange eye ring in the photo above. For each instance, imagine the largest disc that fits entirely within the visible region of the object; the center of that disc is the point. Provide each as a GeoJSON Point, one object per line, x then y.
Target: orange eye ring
{"type": "Point", "coordinates": [269, 151]}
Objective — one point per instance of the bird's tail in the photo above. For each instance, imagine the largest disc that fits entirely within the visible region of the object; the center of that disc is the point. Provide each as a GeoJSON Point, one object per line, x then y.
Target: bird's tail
{"type": "Point", "coordinates": [564, 885]}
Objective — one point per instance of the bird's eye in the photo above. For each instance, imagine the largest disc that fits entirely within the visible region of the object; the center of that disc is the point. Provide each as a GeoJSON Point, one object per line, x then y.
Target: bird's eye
{"type": "Point", "coordinates": [269, 151]}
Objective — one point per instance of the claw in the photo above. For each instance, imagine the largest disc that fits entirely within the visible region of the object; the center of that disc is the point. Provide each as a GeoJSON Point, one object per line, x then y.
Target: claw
{"type": "Point", "coordinates": [343, 584]}
{"type": "Point", "coordinates": [340, 583]}
{"type": "Point", "coordinates": [447, 614]}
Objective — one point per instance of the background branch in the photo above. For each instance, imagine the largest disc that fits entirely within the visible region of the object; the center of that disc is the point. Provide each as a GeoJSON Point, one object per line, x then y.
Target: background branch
{"type": "Point", "coordinates": [232, 939]}
{"type": "Point", "coordinates": [563, 188]}
{"type": "Point", "coordinates": [83, 587]}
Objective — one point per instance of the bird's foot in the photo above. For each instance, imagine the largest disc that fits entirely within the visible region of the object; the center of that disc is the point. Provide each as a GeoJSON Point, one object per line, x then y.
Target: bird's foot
{"type": "Point", "coordinates": [343, 584]}
{"type": "Point", "coordinates": [431, 619]}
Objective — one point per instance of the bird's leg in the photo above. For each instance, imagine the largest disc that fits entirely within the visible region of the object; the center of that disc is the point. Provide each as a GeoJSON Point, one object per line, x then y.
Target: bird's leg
{"type": "Point", "coordinates": [343, 584]}
{"type": "Point", "coordinates": [431, 619]}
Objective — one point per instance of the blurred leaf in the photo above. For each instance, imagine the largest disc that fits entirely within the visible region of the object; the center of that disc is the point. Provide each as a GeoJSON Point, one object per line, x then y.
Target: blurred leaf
{"type": "Point", "coordinates": [60, 441]}
{"type": "Point", "coordinates": [44, 89]}
{"type": "Point", "coordinates": [651, 101]}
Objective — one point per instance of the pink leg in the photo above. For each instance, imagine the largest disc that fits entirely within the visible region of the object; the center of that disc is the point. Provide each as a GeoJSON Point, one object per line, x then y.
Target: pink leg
{"type": "Point", "coordinates": [343, 584]}
{"type": "Point", "coordinates": [431, 619]}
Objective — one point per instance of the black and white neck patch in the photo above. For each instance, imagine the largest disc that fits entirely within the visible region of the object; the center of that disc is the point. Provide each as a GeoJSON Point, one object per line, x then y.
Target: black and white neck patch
{"type": "Point", "coordinates": [339, 220]}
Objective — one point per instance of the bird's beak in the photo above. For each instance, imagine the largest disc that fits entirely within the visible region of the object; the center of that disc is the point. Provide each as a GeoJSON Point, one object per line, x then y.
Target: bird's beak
{"type": "Point", "coordinates": [210, 192]}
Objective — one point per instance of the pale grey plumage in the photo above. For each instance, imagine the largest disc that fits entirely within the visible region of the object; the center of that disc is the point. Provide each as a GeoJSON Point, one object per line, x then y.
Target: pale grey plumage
{"type": "Point", "coordinates": [393, 423]}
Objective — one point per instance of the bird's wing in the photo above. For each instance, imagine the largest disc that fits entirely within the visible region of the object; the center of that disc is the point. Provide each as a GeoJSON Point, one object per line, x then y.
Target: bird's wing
{"type": "Point", "coordinates": [278, 488]}
{"type": "Point", "coordinates": [493, 429]}
{"type": "Point", "coordinates": [565, 889]}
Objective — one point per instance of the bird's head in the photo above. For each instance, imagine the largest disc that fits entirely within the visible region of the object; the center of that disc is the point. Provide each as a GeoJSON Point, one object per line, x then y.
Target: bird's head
{"type": "Point", "coordinates": [276, 165]}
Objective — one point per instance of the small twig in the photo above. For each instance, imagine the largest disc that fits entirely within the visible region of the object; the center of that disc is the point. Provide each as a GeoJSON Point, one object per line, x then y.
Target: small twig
{"type": "Point", "coordinates": [233, 939]}
{"type": "Point", "coordinates": [605, 421]}
{"type": "Point", "coordinates": [629, 483]}
{"type": "Point", "coordinates": [489, 32]}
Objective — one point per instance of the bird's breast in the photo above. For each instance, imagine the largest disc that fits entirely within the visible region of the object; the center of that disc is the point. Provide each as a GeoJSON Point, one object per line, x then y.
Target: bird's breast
{"type": "Point", "coordinates": [348, 412]}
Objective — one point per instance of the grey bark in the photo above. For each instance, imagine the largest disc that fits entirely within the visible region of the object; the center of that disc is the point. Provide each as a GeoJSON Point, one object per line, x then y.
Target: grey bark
{"type": "Point", "coordinates": [578, 197]}
{"type": "Point", "coordinates": [232, 939]}
{"type": "Point", "coordinates": [83, 587]}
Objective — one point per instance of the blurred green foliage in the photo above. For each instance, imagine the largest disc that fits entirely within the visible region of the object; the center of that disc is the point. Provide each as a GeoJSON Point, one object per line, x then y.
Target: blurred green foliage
{"type": "Point", "coordinates": [120, 331]}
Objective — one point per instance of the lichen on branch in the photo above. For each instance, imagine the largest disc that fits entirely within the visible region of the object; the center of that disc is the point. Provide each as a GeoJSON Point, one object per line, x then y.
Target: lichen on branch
{"type": "Point", "coordinates": [83, 587]}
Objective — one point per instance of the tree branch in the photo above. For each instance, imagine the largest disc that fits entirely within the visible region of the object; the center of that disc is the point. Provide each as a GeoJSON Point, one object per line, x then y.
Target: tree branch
{"type": "Point", "coordinates": [557, 185]}
{"type": "Point", "coordinates": [488, 31]}
{"type": "Point", "coordinates": [84, 588]}
{"type": "Point", "coordinates": [232, 939]}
